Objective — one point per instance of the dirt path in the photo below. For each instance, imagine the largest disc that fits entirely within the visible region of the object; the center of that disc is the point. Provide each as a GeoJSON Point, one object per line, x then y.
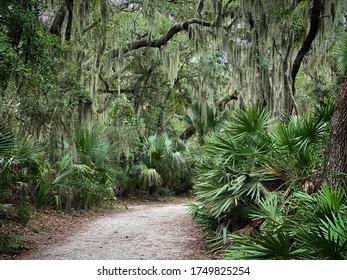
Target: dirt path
{"type": "Point", "coordinates": [143, 232]}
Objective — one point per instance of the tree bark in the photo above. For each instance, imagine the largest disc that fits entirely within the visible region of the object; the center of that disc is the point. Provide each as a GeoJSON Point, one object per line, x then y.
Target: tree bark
{"type": "Point", "coordinates": [157, 43]}
{"type": "Point", "coordinates": [58, 21]}
{"type": "Point", "coordinates": [335, 169]}
{"type": "Point", "coordinates": [69, 6]}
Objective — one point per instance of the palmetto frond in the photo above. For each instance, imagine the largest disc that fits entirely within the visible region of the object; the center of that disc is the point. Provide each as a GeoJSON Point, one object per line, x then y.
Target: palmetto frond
{"type": "Point", "coordinates": [247, 159]}
{"type": "Point", "coordinates": [85, 141]}
{"type": "Point", "coordinates": [222, 198]}
{"type": "Point", "coordinates": [150, 177]}
{"type": "Point", "coordinates": [285, 135]}
{"type": "Point", "coordinates": [271, 210]}
{"type": "Point", "coordinates": [339, 53]}
{"type": "Point", "coordinates": [325, 110]}
{"type": "Point", "coordinates": [7, 141]}
{"type": "Point", "coordinates": [298, 134]}
{"type": "Point", "coordinates": [95, 151]}
{"type": "Point", "coordinates": [249, 125]}
{"type": "Point", "coordinates": [268, 246]}
{"type": "Point", "coordinates": [325, 240]}
{"type": "Point", "coordinates": [28, 150]}
{"type": "Point", "coordinates": [19, 150]}
{"type": "Point", "coordinates": [68, 169]}
{"type": "Point", "coordinates": [322, 205]}
{"type": "Point", "coordinates": [157, 146]}
{"type": "Point", "coordinates": [167, 159]}
{"type": "Point", "coordinates": [310, 131]}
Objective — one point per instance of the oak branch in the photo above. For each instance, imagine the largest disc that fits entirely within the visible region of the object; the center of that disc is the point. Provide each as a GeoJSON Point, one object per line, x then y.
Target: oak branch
{"type": "Point", "coordinates": [157, 43]}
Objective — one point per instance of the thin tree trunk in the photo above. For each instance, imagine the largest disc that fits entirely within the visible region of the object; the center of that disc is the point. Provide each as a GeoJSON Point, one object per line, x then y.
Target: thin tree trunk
{"type": "Point", "coordinates": [58, 21]}
{"type": "Point", "coordinates": [315, 21]}
{"type": "Point", "coordinates": [69, 5]}
{"type": "Point", "coordinates": [161, 118]}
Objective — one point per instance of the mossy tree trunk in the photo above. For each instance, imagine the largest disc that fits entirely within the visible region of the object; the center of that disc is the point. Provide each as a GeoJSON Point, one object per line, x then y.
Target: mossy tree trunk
{"type": "Point", "coordinates": [335, 169]}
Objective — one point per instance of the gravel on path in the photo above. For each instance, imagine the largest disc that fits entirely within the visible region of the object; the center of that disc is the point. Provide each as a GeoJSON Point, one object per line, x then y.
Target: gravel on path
{"type": "Point", "coordinates": [163, 231]}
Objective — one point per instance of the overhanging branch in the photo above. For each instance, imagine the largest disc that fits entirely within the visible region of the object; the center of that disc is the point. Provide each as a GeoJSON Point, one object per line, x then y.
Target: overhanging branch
{"type": "Point", "coordinates": [157, 43]}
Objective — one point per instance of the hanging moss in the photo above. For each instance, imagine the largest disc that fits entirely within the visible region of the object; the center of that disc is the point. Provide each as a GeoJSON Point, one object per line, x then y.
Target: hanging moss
{"type": "Point", "coordinates": [266, 41]}
{"type": "Point", "coordinates": [174, 60]}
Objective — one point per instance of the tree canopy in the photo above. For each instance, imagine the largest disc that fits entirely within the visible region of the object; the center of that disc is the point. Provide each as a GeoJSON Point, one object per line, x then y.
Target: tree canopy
{"type": "Point", "coordinates": [100, 98]}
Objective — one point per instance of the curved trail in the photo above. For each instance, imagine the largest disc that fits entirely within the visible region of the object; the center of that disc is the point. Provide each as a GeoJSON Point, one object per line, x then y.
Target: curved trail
{"type": "Point", "coordinates": [144, 232]}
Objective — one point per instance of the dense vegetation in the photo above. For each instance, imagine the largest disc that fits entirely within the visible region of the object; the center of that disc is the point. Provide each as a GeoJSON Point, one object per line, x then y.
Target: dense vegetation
{"type": "Point", "coordinates": [241, 103]}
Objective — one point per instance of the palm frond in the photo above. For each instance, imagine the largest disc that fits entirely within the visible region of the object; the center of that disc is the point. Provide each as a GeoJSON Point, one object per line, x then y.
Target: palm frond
{"type": "Point", "coordinates": [85, 140]}
{"type": "Point", "coordinates": [69, 171]}
{"type": "Point", "coordinates": [65, 162]}
{"type": "Point", "coordinates": [249, 124]}
{"type": "Point", "coordinates": [337, 226]}
{"type": "Point", "coordinates": [329, 201]}
{"type": "Point", "coordinates": [222, 198]}
{"type": "Point", "coordinates": [323, 205]}
{"type": "Point", "coordinates": [7, 141]}
{"type": "Point", "coordinates": [339, 53]}
{"type": "Point", "coordinates": [150, 177]}
{"type": "Point", "coordinates": [325, 240]}
{"type": "Point", "coordinates": [28, 150]}
{"type": "Point", "coordinates": [269, 246]}
{"type": "Point", "coordinates": [310, 131]}
{"type": "Point", "coordinates": [272, 210]}
{"type": "Point", "coordinates": [325, 110]}
{"type": "Point", "coordinates": [285, 135]}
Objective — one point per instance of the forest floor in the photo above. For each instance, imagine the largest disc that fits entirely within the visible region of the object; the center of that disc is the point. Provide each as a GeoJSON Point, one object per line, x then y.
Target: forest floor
{"type": "Point", "coordinates": [132, 230]}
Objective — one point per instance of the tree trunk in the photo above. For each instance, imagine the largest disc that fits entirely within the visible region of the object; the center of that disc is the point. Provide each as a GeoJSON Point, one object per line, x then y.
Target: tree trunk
{"type": "Point", "coordinates": [315, 21]}
{"type": "Point", "coordinates": [58, 21]}
{"type": "Point", "coordinates": [161, 118]}
{"type": "Point", "coordinates": [69, 6]}
{"type": "Point", "coordinates": [335, 169]}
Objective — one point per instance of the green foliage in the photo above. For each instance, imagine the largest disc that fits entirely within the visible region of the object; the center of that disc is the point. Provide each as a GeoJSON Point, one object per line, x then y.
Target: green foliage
{"type": "Point", "coordinates": [87, 178]}
{"type": "Point", "coordinates": [163, 163]}
{"type": "Point", "coordinates": [271, 210]}
{"type": "Point", "coordinates": [19, 161]}
{"type": "Point", "coordinates": [325, 110]}
{"type": "Point", "coordinates": [339, 53]}
{"type": "Point", "coordinates": [228, 179]}
{"type": "Point", "coordinates": [324, 240]}
{"type": "Point", "coordinates": [6, 141]}
{"type": "Point", "coordinates": [11, 243]}
{"type": "Point", "coordinates": [210, 225]}
{"type": "Point", "coordinates": [322, 205]}
{"type": "Point", "coordinates": [251, 123]}
{"type": "Point", "coordinates": [50, 87]}
{"type": "Point", "coordinates": [268, 246]}
{"type": "Point", "coordinates": [44, 184]}
{"type": "Point", "coordinates": [7, 57]}
{"type": "Point", "coordinates": [300, 143]}
{"type": "Point", "coordinates": [244, 178]}
{"type": "Point", "coordinates": [221, 199]}
{"type": "Point", "coordinates": [305, 227]}
{"type": "Point", "coordinates": [149, 177]}
{"type": "Point", "coordinates": [23, 212]}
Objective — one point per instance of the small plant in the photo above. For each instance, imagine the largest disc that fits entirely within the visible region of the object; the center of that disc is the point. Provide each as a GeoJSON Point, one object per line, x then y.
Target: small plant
{"type": "Point", "coordinates": [11, 243]}
{"type": "Point", "coordinates": [58, 203]}
{"type": "Point", "coordinates": [23, 212]}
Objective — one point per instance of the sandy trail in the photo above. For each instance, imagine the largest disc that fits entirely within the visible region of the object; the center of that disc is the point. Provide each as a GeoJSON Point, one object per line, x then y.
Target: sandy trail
{"type": "Point", "coordinates": [144, 232]}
